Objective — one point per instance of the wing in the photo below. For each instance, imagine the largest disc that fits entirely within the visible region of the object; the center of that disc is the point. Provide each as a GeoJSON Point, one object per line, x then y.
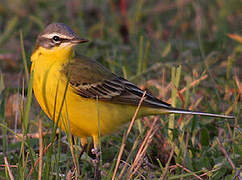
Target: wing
{"type": "Point", "coordinates": [90, 79]}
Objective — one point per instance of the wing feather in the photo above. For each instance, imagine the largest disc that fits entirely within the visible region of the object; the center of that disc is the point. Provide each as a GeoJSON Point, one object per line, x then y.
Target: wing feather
{"type": "Point", "coordinates": [89, 79]}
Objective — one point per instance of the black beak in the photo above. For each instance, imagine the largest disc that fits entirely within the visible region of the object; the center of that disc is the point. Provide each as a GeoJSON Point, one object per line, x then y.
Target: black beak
{"type": "Point", "coordinates": [78, 40]}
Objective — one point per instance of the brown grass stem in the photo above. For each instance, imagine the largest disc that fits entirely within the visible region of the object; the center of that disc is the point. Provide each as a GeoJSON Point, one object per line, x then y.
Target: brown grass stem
{"type": "Point", "coordinates": [126, 135]}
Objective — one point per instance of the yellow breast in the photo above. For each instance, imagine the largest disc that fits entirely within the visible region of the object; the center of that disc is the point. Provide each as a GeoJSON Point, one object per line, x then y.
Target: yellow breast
{"type": "Point", "coordinates": [81, 116]}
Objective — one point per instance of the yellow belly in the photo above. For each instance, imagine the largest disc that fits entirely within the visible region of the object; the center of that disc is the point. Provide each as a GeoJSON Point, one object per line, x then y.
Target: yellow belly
{"type": "Point", "coordinates": [81, 116]}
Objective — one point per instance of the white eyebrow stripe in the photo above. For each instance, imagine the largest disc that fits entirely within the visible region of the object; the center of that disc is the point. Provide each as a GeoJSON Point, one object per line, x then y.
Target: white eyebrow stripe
{"type": "Point", "coordinates": [50, 36]}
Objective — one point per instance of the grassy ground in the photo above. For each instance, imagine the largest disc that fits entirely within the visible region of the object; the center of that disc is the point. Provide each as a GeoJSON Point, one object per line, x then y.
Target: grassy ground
{"type": "Point", "coordinates": [185, 52]}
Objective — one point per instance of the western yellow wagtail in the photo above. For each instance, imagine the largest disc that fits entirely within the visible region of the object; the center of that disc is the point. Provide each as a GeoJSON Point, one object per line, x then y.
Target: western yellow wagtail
{"type": "Point", "coordinates": [83, 96]}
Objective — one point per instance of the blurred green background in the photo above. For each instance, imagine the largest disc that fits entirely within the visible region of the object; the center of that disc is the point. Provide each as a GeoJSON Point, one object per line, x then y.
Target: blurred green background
{"type": "Point", "coordinates": [186, 52]}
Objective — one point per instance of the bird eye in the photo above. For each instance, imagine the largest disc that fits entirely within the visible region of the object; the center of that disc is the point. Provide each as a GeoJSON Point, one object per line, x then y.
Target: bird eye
{"type": "Point", "coordinates": [56, 38]}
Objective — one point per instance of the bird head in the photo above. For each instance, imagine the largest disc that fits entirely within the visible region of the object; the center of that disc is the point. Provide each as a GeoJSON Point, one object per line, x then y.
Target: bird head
{"type": "Point", "coordinates": [56, 40]}
{"type": "Point", "coordinates": [58, 35]}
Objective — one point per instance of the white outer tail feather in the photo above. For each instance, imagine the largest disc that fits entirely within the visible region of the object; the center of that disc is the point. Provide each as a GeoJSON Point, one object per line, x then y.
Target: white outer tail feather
{"type": "Point", "coordinates": [183, 111]}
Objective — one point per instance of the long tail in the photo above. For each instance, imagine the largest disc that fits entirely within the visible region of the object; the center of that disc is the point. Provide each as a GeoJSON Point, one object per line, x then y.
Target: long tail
{"type": "Point", "coordinates": [183, 111]}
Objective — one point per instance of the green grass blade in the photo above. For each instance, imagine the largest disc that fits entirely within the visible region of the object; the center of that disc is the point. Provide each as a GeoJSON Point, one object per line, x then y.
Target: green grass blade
{"type": "Point", "coordinates": [23, 55]}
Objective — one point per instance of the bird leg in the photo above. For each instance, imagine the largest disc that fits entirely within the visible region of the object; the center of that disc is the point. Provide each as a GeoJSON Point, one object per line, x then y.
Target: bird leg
{"type": "Point", "coordinates": [96, 162]}
{"type": "Point", "coordinates": [96, 151]}
{"type": "Point", "coordinates": [73, 172]}
{"type": "Point", "coordinates": [84, 147]}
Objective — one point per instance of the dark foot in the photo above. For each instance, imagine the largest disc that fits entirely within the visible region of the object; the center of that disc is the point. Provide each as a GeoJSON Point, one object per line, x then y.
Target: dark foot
{"type": "Point", "coordinates": [96, 162]}
{"type": "Point", "coordinates": [84, 148]}
{"type": "Point", "coordinates": [73, 172]}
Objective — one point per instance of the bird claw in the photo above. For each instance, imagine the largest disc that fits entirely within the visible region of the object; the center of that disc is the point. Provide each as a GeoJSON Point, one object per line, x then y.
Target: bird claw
{"type": "Point", "coordinates": [96, 151]}
{"type": "Point", "coordinates": [96, 162]}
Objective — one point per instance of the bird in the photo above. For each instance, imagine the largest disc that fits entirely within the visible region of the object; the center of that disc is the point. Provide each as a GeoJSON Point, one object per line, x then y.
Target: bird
{"type": "Point", "coordinates": [84, 97]}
